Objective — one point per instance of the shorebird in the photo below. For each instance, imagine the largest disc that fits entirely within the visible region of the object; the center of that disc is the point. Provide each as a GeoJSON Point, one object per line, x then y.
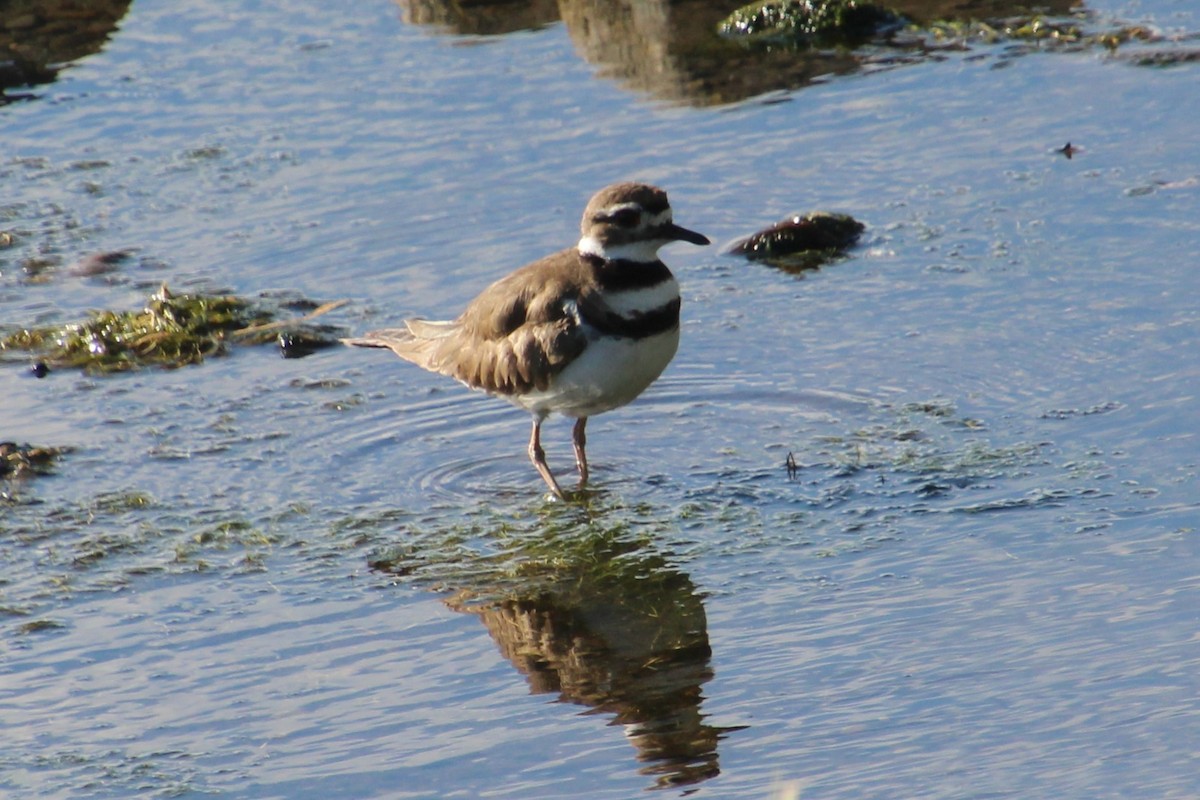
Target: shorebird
{"type": "Point", "coordinates": [577, 333]}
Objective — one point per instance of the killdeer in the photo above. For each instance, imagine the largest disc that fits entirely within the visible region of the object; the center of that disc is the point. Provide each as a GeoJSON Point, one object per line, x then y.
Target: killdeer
{"type": "Point", "coordinates": [577, 333]}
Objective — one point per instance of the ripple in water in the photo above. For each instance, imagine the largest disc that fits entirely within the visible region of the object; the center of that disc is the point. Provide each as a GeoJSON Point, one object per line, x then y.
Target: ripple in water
{"type": "Point", "coordinates": [452, 446]}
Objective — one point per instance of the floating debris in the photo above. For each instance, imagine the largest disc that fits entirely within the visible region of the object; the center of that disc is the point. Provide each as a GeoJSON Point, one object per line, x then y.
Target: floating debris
{"type": "Point", "coordinates": [801, 242]}
{"type": "Point", "coordinates": [1069, 150]}
{"type": "Point", "coordinates": [1067, 413]}
{"type": "Point", "coordinates": [314, 337]}
{"type": "Point", "coordinates": [301, 343]}
{"type": "Point", "coordinates": [171, 331]}
{"type": "Point", "coordinates": [295, 337]}
{"type": "Point", "coordinates": [24, 460]}
{"type": "Point", "coordinates": [35, 626]}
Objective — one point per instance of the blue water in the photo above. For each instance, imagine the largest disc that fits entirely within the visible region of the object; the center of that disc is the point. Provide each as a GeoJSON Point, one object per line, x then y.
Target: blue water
{"type": "Point", "coordinates": [340, 577]}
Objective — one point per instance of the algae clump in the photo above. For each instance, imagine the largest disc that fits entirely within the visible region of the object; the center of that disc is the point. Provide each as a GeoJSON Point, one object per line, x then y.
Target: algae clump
{"type": "Point", "coordinates": [171, 331]}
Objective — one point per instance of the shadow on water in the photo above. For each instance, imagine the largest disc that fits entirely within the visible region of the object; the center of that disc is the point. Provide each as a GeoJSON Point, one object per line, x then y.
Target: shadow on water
{"type": "Point", "coordinates": [673, 51]}
{"type": "Point", "coordinates": [585, 605]}
{"type": "Point", "coordinates": [37, 37]}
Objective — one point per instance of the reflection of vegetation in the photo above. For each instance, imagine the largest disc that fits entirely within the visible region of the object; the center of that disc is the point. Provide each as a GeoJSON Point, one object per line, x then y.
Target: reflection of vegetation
{"type": "Point", "coordinates": [824, 23]}
{"type": "Point", "coordinates": [700, 53]}
{"type": "Point", "coordinates": [585, 606]}
{"type": "Point", "coordinates": [801, 242]}
{"type": "Point", "coordinates": [171, 331]}
{"type": "Point", "coordinates": [819, 22]}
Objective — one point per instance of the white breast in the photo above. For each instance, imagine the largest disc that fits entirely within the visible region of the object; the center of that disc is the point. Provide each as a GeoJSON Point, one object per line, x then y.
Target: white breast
{"type": "Point", "coordinates": [612, 370]}
{"type": "Point", "coordinates": [608, 374]}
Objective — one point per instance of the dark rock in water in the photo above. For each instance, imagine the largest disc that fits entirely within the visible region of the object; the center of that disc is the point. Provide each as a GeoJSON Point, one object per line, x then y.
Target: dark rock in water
{"type": "Point", "coordinates": [300, 343]}
{"type": "Point", "coordinates": [801, 242]}
{"type": "Point", "coordinates": [98, 263]}
{"type": "Point", "coordinates": [813, 22]}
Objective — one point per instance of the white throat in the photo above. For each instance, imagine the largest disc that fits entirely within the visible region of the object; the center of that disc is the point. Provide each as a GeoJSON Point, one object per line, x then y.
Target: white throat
{"type": "Point", "coordinates": [643, 251]}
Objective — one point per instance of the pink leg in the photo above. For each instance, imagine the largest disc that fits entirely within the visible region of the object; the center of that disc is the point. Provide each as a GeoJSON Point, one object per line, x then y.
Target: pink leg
{"type": "Point", "coordinates": [538, 456]}
{"type": "Point", "coordinates": [579, 438]}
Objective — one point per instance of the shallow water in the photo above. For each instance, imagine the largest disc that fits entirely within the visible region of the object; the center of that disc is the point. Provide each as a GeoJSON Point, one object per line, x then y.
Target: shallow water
{"type": "Point", "coordinates": [340, 577]}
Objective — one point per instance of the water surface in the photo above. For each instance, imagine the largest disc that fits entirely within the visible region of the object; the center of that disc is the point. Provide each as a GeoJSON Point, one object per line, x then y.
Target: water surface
{"type": "Point", "coordinates": [340, 577]}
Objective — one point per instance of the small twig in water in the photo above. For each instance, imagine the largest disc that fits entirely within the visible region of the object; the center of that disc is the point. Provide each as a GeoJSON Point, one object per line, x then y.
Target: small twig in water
{"type": "Point", "coordinates": [285, 323]}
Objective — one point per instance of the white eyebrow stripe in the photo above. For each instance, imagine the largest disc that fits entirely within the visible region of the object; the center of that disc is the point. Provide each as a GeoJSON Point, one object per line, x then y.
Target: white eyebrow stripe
{"type": "Point", "coordinates": [653, 221]}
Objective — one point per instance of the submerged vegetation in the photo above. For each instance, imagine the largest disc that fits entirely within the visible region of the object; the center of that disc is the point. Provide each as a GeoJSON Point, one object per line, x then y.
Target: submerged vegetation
{"type": "Point", "coordinates": [170, 331]}
{"type": "Point", "coordinates": [497, 555]}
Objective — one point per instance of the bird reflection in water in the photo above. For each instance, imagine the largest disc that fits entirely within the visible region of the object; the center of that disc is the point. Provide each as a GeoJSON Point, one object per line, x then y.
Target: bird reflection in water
{"type": "Point", "coordinates": [609, 624]}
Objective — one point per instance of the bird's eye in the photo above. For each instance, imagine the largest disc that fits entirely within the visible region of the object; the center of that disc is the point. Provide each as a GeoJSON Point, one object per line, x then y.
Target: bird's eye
{"type": "Point", "coordinates": [625, 218]}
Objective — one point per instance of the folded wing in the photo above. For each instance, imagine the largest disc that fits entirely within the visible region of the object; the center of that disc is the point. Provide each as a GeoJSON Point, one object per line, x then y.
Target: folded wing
{"type": "Point", "coordinates": [513, 338]}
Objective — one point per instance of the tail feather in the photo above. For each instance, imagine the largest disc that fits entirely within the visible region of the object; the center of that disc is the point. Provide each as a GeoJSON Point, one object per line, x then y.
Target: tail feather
{"type": "Point", "coordinates": [430, 329]}
{"type": "Point", "coordinates": [417, 342]}
{"type": "Point", "coordinates": [386, 337]}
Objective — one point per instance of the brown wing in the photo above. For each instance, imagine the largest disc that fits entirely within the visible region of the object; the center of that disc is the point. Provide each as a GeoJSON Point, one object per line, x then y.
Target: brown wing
{"type": "Point", "coordinates": [514, 337]}
{"type": "Point", "coordinates": [518, 333]}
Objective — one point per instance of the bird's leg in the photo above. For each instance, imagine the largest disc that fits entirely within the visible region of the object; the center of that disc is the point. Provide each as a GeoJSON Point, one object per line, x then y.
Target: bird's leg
{"type": "Point", "coordinates": [538, 456]}
{"type": "Point", "coordinates": [579, 439]}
